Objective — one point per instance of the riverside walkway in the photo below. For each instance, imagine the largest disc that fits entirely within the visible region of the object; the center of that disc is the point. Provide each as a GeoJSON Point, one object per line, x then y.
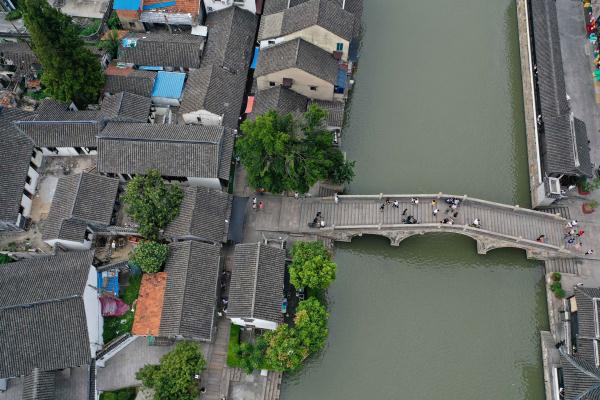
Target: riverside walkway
{"type": "Point", "coordinates": [357, 215]}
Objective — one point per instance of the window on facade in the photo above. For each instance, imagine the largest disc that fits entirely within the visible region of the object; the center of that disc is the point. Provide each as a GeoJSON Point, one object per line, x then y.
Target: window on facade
{"type": "Point", "coordinates": [21, 210]}
{"type": "Point", "coordinates": [271, 42]}
{"type": "Point", "coordinates": [28, 180]}
{"type": "Point", "coordinates": [32, 165]}
{"type": "Point", "coordinates": [339, 47]}
{"type": "Point", "coordinates": [313, 88]}
{"type": "Point", "coordinates": [271, 83]}
{"type": "Point", "coordinates": [27, 194]}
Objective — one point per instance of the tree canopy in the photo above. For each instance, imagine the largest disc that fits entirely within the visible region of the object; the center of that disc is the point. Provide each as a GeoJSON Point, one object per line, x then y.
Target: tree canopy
{"type": "Point", "coordinates": [150, 256]}
{"type": "Point", "coordinates": [152, 203]}
{"type": "Point", "coordinates": [311, 324]}
{"type": "Point", "coordinates": [283, 153]}
{"type": "Point", "coordinates": [70, 71]}
{"type": "Point", "coordinates": [311, 266]}
{"type": "Point", "coordinates": [285, 351]}
{"type": "Point", "coordinates": [173, 378]}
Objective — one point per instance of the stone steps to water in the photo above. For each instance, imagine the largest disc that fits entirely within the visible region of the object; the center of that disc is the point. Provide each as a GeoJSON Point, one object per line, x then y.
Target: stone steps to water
{"type": "Point", "coordinates": [564, 266]}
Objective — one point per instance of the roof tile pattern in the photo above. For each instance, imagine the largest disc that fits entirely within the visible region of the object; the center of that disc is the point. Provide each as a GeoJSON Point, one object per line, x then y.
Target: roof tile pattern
{"type": "Point", "coordinates": [136, 82]}
{"type": "Point", "coordinates": [191, 293]}
{"type": "Point", "coordinates": [299, 54]}
{"type": "Point", "coordinates": [157, 49]}
{"type": "Point", "coordinates": [149, 304]}
{"type": "Point", "coordinates": [39, 385]}
{"type": "Point", "coordinates": [256, 289]}
{"type": "Point", "coordinates": [42, 316]}
{"type": "Point", "coordinates": [280, 99]}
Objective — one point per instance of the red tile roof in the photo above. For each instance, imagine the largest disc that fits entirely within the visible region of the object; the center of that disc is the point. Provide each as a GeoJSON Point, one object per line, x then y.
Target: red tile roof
{"type": "Point", "coordinates": [181, 6]}
{"type": "Point", "coordinates": [149, 304]}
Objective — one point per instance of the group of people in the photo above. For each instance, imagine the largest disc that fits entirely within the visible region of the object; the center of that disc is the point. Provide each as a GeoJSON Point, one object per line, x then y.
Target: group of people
{"type": "Point", "coordinates": [257, 205]}
{"type": "Point", "coordinates": [318, 221]}
{"type": "Point", "coordinates": [572, 236]}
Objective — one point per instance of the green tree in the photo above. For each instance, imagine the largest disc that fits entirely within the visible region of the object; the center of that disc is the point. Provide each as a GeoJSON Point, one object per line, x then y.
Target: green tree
{"type": "Point", "coordinates": [282, 153]}
{"type": "Point", "coordinates": [71, 71]}
{"type": "Point", "coordinates": [152, 203]}
{"type": "Point", "coordinates": [150, 256]}
{"type": "Point", "coordinates": [173, 378]}
{"type": "Point", "coordinates": [311, 266]}
{"type": "Point", "coordinates": [285, 351]}
{"type": "Point", "coordinates": [111, 44]}
{"type": "Point", "coordinates": [311, 324]}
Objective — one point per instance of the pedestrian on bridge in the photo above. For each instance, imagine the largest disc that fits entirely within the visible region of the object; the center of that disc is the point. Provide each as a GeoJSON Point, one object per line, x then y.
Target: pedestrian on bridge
{"type": "Point", "coordinates": [541, 238]}
{"type": "Point", "coordinates": [396, 204]}
{"type": "Point", "coordinates": [336, 198]}
{"type": "Point", "coordinates": [435, 211]}
{"type": "Point", "coordinates": [580, 233]}
{"type": "Point", "coordinates": [589, 252]}
{"type": "Point", "coordinates": [382, 207]}
{"type": "Point", "coordinates": [261, 205]}
{"type": "Point", "coordinates": [414, 200]}
{"type": "Point", "coordinates": [433, 203]}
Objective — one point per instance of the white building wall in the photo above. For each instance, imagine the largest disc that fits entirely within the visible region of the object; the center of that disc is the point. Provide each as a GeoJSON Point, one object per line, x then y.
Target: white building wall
{"type": "Point", "coordinates": [165, 101]}
{"type": "Point", "coordinates": [93, 311]}
{"type": "Point", "coordinates": [318, 36]}
{"type": "Point", "coordinates": [70, 244]}
{"type": "Point", "coordinates": [216, 5]}
{"type": "Point", "coordinates": [26, 204]}
{"type": "Point", "coordinates": [271, 42]}
{"type": "Point", "coordinates": [206, 118]}
{"type": "Point", "coordinates": [302, 83]}
{"type": "Point", "coordinates": [34, 176]}
{"type": "Point", "coordinates": [257, 323]}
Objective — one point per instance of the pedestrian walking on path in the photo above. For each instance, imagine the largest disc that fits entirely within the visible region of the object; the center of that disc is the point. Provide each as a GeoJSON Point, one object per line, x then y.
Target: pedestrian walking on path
{"type": "Point", "coordinates": [589, 252]}
{"type": "Point", "coordinates": [541, 238]}
{"type": "Point", "coordinates": [414, 200]}
{"type": "Point", "coordinates": [396, 204]}
{"type": "Point", "coordinates": [433, 203]}
{"type": "Point", "coordinates": [404, 212]}
{"type": "Point", "coordinates": [336, 198]}
{"type": "Point", "coordinates": [254, 203]}
{"type": "Point", "coordinates": [435, 211]}
{"type": "Point", "coordinates": [382, 207]}
{"type": "Point", "coordinates": [261, 205]}
{"type": "Point", "coordinates": [296, 195]}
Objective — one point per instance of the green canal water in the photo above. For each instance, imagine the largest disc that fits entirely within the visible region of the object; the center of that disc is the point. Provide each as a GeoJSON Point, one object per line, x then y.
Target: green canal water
{"type": "Point", "coordinates": [437, 106]}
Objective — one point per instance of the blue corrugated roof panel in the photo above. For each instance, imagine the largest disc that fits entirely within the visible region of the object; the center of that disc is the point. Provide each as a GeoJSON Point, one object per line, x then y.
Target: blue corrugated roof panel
{"type": "Point", "coordinates": [341, 78]}
{"type": "Point", "coordinates": [109, 283]}
{"type": "Point", "coordinates": [127, 4]}
{"type": "Point", "coordinates": [168, 84]}
{"type": "Point", "coordinates": [255, 58]}
{"type": "Point", "coordinates": [159, 5]}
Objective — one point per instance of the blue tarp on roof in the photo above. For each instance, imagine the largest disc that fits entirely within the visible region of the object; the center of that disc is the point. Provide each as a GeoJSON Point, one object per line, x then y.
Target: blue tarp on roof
{"type": "Point", "coordinates": [150, 68]}
{"type": "Point", "coordinates": [255, 57]}
{"type": "Point", "coordinates": [127, 4]}
{"type": "Point", "coordinates": [168, 84]}
{"type": "Point", "coordinates": [341, 78]}
{"type": "Point", "coordinates": [159, 5]}
{"type": "Point", "coordinates": [109, 283]}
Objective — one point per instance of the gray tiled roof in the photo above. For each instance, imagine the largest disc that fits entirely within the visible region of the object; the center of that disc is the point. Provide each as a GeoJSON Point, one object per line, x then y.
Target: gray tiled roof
{"type": "Point", "coordinates": [20, 54]}
{"type": "Point", "coordinates": [216, 90]}
{"type": "Point", "coordinates": [61, 133]}
{"type": "Point", "coordinates": [15, 154]}
{"type": "Point", "coordinates": [588, 317]}
{"type": "Point", "coordinates": [136, 82]}
{"type": "Point", "coordinates": [230, 39]}
{"type": "Point", "coordinates": [581, 378]}
{"type": "Point", "coordinates": [158, 49]}
{"type": "Point", "coordinates": [126, 106]}
{"type": "Point", "coordinates": [191, 292]}
{"type": "Point", "coordinates": [256, 289]}
{"type": "Point", "coordinates": [42, 316]}
{"type": "Point", "coordinates": [175, 150]}
{"type": "Point", "coordinates": [551, 81]}
{"type": "Point", "coordinates": [280, 99]}
{"type": "Point", "coordinates": [78, 200]}
{"type": "Point", "coordinates": [335, 111]}
{"type": "Point", "coordinates": [323, 13]}
{"type": "Point", "coordinates": [39, 385]}
{"type": "Point", "coordinates": [204, 214]}
{"type": "Point", "coordinates": [558, 152]}
{"type": "Point", "coordinates": [298, 54]}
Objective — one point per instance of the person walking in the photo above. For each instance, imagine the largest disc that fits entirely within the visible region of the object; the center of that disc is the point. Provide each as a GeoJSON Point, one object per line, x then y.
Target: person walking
{"type": "Point", "coordinates": [433, 203]}
{"type": "Point", "coordinates": [254, 203]}
{"type": "Point", "coordinates": [396, 204]}
{"type": "Point", "coordinates": [261, 205]}
{"type": "Point", "coordinates": [382, 207]}
{"type": "Point", "coordinates": [404, 212]}
{"type": "Point", "coordinates": [541, 238]}
{"type": "Point", "coordinates": [296, 195]}
{"type": "Point", "coordinates": [435, 211]}
{"type": "Point", "coordinates": [336, 198]}
{"type": "Point", "coordinates": [580, 233]}
{"type": "Point", "coordinates": [589, 252]}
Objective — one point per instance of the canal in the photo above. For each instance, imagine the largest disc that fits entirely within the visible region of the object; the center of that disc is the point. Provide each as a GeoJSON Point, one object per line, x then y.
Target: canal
{"type": "Point", "coordinates": [437, 106]}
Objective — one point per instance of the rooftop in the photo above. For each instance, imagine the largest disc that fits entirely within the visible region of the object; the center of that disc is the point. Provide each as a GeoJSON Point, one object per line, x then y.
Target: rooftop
{"type": "Point", "coordinates": [299, 54]}
{"type": "Point", "coordinates": [169, 85]}
{"type": "Point", "coordinates": [129, 80]}
{"type": "Point", "coordinates": [161, 49]}
{"type": "Point", "coordinates": [149, 304]}
{"type": "Point", "coordinates": [42, 316]}
{"type": "Point", "coordinates": [257, 282]}
{"type": "Point", "coordinates": [175, 150]}
{"type": "Point", "coordinates": [280, 99]}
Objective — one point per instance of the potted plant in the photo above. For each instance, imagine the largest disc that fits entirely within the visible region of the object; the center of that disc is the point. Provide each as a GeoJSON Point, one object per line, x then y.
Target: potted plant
{"type": "Point", "coordinates": [585, 186]}
{"type": "Point", "coordinates": [555, 276]}
{"type": "Point", "coordinates": [589, 207]}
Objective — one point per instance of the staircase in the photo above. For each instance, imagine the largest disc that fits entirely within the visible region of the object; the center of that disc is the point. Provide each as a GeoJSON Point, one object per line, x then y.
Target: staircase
{"type": "Point", "coordinates": [564, 266]}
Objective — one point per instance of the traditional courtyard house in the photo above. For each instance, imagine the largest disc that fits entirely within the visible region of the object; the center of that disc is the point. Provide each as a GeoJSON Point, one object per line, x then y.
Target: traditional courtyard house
{"type": "Point", "coordinates": [564, 151]}
{"type": "Point", "coordinates": [181, 302]}
{"type": "Point", "coordinates": [213, 96]}
{"type": "Point", "coordinates": [230, 40]}
{"type": "Point", "coordinates": [158, 51]}
{"type": "Point", "coordinates": [129, 80]}
{"type": "Point", "coordinates": [82, 204]}
{"type": "Point", "coordinates": [18, 174]}
{"type": "Point", "coordinates": [253, 6]}
{"type": "Point", "coordinates": [302, 67]}
{"type": "Point", "coordinates": [168, 88]}
{"type": "Point", "coordinates": [50, 319]}
{"type": "Point", "coordinates": [200, 155]}
{"type": "Point", "coordinates": [62, 130]}
{"type": "Point", "coordinates": [204, 215]}
{"type": "Point", "coordinates": [17, 61]}
{"type": "Point", "coordinates": [320, 22]}
{"type": "Point", "coordinates": [256, 291]}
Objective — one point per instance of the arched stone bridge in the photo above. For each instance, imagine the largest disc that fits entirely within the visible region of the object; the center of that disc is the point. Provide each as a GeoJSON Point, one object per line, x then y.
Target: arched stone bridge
{"type": "Point", "coordinates": [357, 215]}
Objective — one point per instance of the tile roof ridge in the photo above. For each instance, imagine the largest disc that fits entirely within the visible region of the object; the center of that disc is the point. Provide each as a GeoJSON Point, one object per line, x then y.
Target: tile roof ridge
{"type": "Point", "coordinates": [255, 279]}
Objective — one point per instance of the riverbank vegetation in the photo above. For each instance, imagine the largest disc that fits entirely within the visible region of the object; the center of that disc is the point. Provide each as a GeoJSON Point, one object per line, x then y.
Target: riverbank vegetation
{"type": "Point", "coordinates": [286, 348]}
{"type": "Point", "coordinates": [283, 153]}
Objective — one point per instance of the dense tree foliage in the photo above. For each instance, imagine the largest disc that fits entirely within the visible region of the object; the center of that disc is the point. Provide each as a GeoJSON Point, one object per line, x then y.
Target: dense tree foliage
{"type": "Point", "coordinates": [282, 153]}
{"type": "Point", "coordinates": [173, 378]}
{"type": "Point", "coordinates": [150, 256]}
{"type": "Point", "coordinates": [311, 324]}
{"type": "Point", "coordinates": [285, 351]}
{"type": "Point", "coordinates": [111, 43]}
{"type": "Point", "coordinates": [311, 266]}
{"type": "Point", "coordinates": [152, 203]}
{"type": "Point", "coordinates": [71, 71]}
